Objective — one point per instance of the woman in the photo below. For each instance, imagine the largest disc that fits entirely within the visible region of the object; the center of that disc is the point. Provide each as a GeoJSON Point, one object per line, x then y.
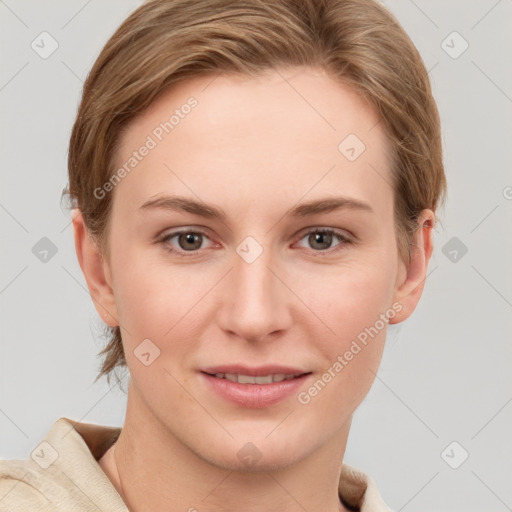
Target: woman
{"type": "Point", "coordinates": [296, 147]}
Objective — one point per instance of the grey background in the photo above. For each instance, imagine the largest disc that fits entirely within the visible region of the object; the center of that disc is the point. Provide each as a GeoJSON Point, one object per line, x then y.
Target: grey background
{"type": "Point", "coordinates": [446, 372]}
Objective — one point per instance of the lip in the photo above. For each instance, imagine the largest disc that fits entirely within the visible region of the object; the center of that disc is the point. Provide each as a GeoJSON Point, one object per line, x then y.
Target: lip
{"type": "Point", "coordinates": [254, 396]}
{"type": "Point", "coordinates": [253, 371]}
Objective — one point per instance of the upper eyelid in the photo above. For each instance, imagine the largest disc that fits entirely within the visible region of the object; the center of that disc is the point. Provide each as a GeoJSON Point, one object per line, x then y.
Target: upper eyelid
{"type": "Point", "coordinates": [342, 235]}
{"type": "Point", "coordinates": [180, 231]}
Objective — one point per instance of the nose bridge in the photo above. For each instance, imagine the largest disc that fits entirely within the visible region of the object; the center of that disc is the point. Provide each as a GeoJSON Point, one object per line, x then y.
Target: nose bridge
{"type": "Point", "coordinates": [257, 302]}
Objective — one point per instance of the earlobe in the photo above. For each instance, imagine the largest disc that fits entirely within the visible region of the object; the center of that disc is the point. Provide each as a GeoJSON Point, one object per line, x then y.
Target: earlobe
{"type": "Point", "coordinates": [408, 291]}
{"type": "Point", "coordinates": [96, 271]}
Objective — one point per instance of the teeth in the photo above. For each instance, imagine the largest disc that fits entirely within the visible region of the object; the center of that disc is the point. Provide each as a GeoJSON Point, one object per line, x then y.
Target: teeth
{"type": "Point", "coordinates": [251, 379]}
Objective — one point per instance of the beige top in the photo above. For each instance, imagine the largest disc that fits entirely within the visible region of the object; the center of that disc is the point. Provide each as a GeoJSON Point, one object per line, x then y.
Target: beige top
{"type": "Point", "coordinates": [63, 475]}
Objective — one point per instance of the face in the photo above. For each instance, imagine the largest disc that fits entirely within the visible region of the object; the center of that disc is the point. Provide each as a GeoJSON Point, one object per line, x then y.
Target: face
{"type": "Point", "coordinates": [254, 241]}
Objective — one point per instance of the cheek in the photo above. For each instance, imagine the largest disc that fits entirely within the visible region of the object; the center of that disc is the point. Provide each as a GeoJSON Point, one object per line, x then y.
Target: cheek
{"type": "Point", "coordinates": [351, 297]}
{"type": "Point", "coordinates": [162, 302]}
{"type": "Point", "coordinates": [153, 308]}
{"type": "Point", "coordinates": [356, 309]}
{"type": "Point", "coordinates": [155, 305]}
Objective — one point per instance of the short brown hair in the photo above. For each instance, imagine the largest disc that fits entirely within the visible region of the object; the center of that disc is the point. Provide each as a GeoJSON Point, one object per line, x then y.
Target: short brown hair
{"type": "Point", "coordinates": [166, 41]}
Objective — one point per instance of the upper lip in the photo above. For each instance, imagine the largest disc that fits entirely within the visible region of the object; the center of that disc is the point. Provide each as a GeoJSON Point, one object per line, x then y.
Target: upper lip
{"type": "Point", "coordinates": [255, 371]}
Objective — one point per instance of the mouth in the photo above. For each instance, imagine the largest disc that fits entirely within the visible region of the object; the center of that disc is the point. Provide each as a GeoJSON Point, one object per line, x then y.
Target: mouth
{"type": "Point", "coordinates": [251, 379]}
{"type": "Point", "coordinates": [254, 387]}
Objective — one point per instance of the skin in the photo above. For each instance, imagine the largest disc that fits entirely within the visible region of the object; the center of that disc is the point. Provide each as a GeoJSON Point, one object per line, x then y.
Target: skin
{"type": "Point", "coordinates": [255, 148]}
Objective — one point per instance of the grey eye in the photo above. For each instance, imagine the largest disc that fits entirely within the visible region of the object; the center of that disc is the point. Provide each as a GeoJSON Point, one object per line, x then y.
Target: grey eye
{"type": "Point", "coordinates": [320, 240]}
{"type": "Point", "coordinates": [190, 240]}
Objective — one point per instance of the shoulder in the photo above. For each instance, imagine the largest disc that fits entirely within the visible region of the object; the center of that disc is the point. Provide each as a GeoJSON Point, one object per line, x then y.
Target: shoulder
{"type": "Point", "coordinates": [61, 473]}
{"type": "Point", "coordinates": [22, 487]}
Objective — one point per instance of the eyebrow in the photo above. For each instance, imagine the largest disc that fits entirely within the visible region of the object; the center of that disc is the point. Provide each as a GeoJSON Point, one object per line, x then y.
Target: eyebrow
{"type": "Point", "coordinates": [202, 209]}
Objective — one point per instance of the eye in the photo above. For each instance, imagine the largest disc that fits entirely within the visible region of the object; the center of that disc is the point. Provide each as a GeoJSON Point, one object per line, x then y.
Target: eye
{"type": "Point", "coordinates": [187, 241]}
{"type": "Point", "coordinates": [321, 239]}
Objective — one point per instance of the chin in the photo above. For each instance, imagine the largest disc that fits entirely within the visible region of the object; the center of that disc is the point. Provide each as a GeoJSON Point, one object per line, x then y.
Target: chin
{"type": "Point", "coordinates": [256, 453]}
{"type": "Point", "coordinates": [252, 461]}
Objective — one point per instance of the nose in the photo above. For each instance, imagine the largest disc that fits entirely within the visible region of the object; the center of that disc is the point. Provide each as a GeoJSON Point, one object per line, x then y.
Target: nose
{"type": "Point", "coordinates": [256, 304]}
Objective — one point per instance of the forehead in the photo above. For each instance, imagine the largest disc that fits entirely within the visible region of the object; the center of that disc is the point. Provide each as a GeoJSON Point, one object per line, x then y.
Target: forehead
{"type": "Point", "coordinates": [283, 134]}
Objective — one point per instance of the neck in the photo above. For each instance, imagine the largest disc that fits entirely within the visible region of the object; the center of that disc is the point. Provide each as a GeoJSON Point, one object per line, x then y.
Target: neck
{"type": "Point", "coordinates": [152, 470]}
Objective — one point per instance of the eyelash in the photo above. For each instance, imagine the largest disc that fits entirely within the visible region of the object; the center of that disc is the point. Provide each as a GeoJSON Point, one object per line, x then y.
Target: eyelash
{"type": "Point", "coordinates": [344, 240]}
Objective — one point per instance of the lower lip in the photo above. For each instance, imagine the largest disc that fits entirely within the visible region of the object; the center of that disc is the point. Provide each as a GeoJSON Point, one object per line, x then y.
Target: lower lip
{"type": "Point", "coordinates": [255, 396]}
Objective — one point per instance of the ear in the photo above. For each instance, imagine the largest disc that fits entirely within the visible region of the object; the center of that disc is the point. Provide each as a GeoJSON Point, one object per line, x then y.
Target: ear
{"type": "Point", "coordinates": [412, 275]}
{"type": "Point", "coordinates": [96, 271]}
